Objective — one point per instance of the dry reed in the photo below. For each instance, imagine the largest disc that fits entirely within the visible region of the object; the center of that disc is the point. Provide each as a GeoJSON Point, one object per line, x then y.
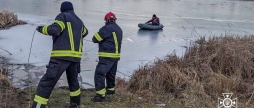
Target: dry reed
{"type": "Point", "coordinates": [10, 97]}
{"type": "Point", "coordinates": [9, 19]}
{"type": "Point", "coordinates": [208, 69]}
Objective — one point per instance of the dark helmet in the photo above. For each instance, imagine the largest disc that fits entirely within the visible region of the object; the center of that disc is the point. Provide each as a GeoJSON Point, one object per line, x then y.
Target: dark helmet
{"type": "Point", "coordinates": [110, 15]}
{"type": "Point", "coordinates": [154, 15]}
{"type": "Point", "coordinates": [65, 6]}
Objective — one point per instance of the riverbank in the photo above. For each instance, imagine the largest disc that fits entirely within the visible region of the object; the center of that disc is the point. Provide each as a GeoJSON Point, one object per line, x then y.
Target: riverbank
{"type": "Point", "coordinates": [209, 68]}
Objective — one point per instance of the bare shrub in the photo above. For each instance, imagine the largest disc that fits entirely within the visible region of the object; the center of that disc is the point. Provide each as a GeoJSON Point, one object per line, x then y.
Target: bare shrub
{"type": "Point", "coordinates": [8, 19]}
{"type": "Point", "coordinates": [10, 97]}
{"type": "Point", "coordinates": [208, 69]}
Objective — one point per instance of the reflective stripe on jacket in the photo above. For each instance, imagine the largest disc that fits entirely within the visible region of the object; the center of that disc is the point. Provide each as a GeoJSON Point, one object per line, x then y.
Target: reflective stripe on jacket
{"type": "Point", "coordinates": [67, 33]}
{"type": "Point", "coordinates": [109, 38]}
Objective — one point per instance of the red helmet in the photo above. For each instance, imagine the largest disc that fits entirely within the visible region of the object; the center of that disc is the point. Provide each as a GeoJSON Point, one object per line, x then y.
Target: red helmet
{"type": "Point", "coordinates": [110, 15]}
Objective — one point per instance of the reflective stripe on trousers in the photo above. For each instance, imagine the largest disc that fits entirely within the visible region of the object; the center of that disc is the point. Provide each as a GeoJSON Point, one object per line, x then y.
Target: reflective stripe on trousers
{"type": "Point", "coordinates": [101, 92]}
{"type": "Point", "coordinates": [40, 100]}
{"type": "Point", "coordinates": [75, 93]}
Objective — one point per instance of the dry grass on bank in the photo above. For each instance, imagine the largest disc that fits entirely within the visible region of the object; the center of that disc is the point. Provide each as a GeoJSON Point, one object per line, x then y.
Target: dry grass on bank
{"type": "Point", "coordinates": [208, 69]}
{"type": "Point", "coordinates": [10, 97]}
{"type": "Point", "coordinates": [8, 19]}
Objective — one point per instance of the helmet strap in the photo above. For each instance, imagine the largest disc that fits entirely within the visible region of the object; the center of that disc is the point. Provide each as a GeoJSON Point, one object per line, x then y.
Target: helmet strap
{"type": "Point", "coordinates": [110, 20]}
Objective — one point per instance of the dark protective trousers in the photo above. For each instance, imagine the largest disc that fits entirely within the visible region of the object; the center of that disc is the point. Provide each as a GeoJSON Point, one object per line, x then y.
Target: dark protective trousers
{"type": "Point", "coordinates": [55, 69]}
{"type": "Point", "coordinates": [105, 69]}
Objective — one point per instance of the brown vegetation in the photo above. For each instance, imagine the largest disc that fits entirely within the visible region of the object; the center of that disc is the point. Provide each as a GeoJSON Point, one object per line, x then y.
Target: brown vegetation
{"type": "Point", "coordinates": [10, 97]}
{"type": "Point", "coordinates": [8, 19]}
{"type": "Point", "coordinates": [208, 69]}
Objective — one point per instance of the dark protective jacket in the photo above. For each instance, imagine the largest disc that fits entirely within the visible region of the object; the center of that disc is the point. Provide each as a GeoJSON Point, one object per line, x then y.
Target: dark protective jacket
{"type": "Point", "coordinates": [109, 38]}
{"type": "Point", "coordinates": [67, 33]}
{"type": "Point", "coordinates": [155, 21]}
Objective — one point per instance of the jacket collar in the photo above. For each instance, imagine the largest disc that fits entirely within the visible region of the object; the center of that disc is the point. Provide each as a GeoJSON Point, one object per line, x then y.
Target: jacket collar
{"type": "Point", "coordinates": [69, 11]}
{"type": "Point", "coordinates": [110, 23]}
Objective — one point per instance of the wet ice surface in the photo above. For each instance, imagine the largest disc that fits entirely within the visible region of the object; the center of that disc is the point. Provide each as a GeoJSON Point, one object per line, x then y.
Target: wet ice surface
{"type": "Point", "coordinates": [183, 20]}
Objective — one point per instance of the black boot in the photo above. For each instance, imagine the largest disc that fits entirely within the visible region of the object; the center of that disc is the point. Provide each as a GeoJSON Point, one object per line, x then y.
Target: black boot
{"type": "Point", "coordinates": [71, 105]}
{"type": "Point", "coordinates": [110, 92]}
{"type": "Point", "coordinates": [98, 98]}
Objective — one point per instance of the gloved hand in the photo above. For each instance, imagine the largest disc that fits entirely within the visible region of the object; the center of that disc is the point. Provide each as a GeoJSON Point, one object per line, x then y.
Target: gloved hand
{"type": "Point", "coordinates": [38, 28]}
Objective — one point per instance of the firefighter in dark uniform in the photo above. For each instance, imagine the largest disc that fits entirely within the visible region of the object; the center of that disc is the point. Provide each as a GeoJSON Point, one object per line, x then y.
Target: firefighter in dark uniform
{"type": "Point", "coordinates": [67, 33]}
{"type": "Point", "coordinates": [109, 39]}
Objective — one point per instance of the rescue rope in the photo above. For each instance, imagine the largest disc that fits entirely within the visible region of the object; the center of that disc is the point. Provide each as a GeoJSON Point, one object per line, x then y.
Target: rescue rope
{"type": "Point", "coordinates": [124, 74]}
{"type": "Point", "coordinates": [6, 51]}
{"type": "Point", "coordinates": [125, 35]}
{"type": "Point", "coordinates": [28, 68]}
{"type": "Point", "coordinates": [81, 80]}
{"type": "Point", "coordinates": [88, 40]}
